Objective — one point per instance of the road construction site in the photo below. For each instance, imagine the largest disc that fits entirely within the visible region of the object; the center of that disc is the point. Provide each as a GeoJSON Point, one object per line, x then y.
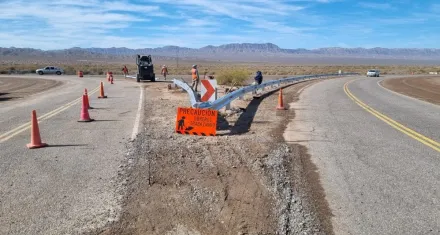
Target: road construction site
{"type": "Point", "coordinates": [325, 165]}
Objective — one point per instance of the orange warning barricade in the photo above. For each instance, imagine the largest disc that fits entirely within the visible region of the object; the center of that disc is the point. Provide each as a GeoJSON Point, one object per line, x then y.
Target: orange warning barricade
{"type": "Point", "coordinates": [191, 121]}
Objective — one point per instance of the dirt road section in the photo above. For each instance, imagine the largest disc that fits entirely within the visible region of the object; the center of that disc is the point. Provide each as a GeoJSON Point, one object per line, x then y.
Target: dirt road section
{"type": "Point", "coordinates": [247, 180]}
{"type": "Point", "coordinates": [17, 88]}
{"type": "Point", "coordinates": [423, 88]}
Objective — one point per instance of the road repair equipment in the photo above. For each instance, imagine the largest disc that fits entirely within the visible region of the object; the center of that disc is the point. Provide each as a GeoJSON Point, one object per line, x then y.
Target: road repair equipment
{"type": "Point", "coordinates": [101, 92]}
{"type": "Point", "coordinates": [145, 68]}
{"type": "Point", "coordinates": [280, 101]}
{"type": "Point", "coordinates": [35, 134]}
{"type": "Point", "coordinates": [85, 117]}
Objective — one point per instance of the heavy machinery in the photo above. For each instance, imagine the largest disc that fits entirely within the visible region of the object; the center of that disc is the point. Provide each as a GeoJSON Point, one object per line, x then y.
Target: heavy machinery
{"type": "Point", "coordinates": [145, 68]}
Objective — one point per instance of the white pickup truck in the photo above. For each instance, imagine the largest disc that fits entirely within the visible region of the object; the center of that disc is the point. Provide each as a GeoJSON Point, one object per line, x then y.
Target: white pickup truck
{"type": "Point", "coordinates": [50, 70]}
{"type": "Point", "coordinates": [373, 73]}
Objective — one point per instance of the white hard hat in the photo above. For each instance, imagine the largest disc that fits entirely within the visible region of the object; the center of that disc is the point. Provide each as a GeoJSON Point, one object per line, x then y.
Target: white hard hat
{"type": "Point", "coordinates": [194, 65]}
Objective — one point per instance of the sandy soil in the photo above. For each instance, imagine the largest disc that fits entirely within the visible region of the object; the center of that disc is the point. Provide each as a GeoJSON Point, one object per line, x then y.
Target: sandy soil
{"type": "Point", "coordinates": [18, 88]}
{"type": "Point", "coordinates": [246, 180]}
{"type": "Point", "coordinates": [423, 88]}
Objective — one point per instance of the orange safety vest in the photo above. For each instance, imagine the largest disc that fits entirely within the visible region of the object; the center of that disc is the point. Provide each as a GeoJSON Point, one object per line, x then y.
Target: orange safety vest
{"type": "Point", "coordinates": [194, 74]}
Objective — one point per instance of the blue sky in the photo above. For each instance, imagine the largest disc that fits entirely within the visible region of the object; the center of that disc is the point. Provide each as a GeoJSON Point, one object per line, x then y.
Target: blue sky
{"type": "Point", "coordinates": [197, 23]}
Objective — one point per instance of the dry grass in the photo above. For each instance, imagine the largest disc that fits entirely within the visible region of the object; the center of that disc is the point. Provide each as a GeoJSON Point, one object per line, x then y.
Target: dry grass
{"type": "Point", "coordinates": [233, 77]}
{"type": "Point", "coordinates": [215, 68]}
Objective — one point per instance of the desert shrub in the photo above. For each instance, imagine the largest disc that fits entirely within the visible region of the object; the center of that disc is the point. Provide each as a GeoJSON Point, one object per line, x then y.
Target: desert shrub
{"type": "Point", "coordinates": [69, 70]}
{"type": "Point", "coordinates": [233, 76]}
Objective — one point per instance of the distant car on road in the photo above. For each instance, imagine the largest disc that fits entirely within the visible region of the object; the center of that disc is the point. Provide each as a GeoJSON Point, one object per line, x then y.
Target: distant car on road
{"type": "Point", "coordinates": [50, 70]}
{"type": "Point", "coordinates": [373, 73]}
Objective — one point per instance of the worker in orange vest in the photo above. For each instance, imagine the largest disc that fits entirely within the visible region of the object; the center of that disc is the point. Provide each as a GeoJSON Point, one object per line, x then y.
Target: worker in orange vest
{"type": "Point", "coordinates": [164, 72]}
{"type": "Point", "coordinates": [195, 77]}
{"type": "Point", "coordinates": [125, 71]}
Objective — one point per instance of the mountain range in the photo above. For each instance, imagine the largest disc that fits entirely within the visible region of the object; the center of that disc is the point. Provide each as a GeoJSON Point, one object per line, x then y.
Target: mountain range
{"type": "Point", "coordinates": [246, 52]}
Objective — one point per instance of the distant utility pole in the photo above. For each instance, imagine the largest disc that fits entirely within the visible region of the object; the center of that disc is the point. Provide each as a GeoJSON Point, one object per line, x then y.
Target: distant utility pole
{"type": "Point", "coordinates": [177, 57]}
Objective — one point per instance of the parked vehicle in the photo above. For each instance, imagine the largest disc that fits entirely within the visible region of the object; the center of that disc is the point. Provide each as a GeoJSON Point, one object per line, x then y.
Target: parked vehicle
{"type": "Point", "coordinates": [145, 68]}
{"type": "Point", "coordinates": [50, 70]}
{"type": "Point", "coordinates": [373, 73]}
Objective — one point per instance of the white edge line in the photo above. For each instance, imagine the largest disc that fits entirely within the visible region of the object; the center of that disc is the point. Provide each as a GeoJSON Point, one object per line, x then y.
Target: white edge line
{"type": "Point", "coordinates": [406, 96]}
{"type": "Point", "coordinates": [138, 115]}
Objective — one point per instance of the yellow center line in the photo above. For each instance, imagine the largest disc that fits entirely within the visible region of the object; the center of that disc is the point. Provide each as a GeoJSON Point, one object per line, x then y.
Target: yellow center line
{"type": "Point", "coordinates": [411, 133]}
{"type": "Point", "coordinates": [7, 135]}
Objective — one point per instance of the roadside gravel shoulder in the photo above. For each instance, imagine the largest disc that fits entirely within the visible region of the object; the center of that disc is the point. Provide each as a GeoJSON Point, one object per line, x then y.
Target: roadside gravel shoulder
{"type": "Point", "coordinates": [422, 88]}
{"type": "Point", "coordinates": [247, 180]}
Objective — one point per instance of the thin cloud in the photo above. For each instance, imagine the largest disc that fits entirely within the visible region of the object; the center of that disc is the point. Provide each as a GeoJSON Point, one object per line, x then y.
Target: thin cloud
{"type": "Point", "coordinates": [196, 23]}
{"type": "Point", "coordinates": [376, 6]}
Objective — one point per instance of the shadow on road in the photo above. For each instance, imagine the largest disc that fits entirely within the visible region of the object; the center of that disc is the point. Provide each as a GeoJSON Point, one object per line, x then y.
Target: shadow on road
{"type": "Point", "coordinates": [65, 145]}
{"type": "Point", "coordinates": [7, 98]}
{"type": "Point", "coordinates": [100, 108]}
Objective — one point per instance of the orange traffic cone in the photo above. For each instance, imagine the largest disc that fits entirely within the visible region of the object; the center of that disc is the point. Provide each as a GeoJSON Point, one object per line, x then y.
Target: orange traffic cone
{"type": "Point", "coordinates": [87, 99]}
{"type": "Point", "coordinates": [280, 101]}
{"type": "Point", "coordinates": [85, 117]}
{"type": "Point", "coordinates": [35, 134]}
{"type": "Point", "coordinates": [101, 92]}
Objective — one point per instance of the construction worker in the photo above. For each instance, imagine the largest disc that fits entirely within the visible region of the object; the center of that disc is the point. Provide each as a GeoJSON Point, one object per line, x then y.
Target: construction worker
{"type": "Point", "coordinates": [164, 71]}
{"type": "Point", "coordinates": [125, 71]}
{"type": "Point", "coordinates": [195, 77]}
{"type": "Point", "coordinates": [258, 77]}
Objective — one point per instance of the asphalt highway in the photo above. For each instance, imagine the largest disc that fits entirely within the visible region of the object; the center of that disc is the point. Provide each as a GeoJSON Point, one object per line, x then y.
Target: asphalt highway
{"type": "Point", "coordinates": [378, 155]}
{"type": "Point", "coordinates": [72, 185]}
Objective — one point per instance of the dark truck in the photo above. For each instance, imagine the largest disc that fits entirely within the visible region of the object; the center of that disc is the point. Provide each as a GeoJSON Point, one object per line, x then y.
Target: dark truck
{"type": "Point", "coordinates": [145, 68]}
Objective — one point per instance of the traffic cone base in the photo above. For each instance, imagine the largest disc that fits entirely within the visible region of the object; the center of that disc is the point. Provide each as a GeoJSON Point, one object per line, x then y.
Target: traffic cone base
{"type": "Point", "coordinates": [281, 108]}
{"type": "Point", "coordinates": [88, 120]}
{"type": "Point", "coordinates": [35, 146]}
{"type": "Point", "coordinates": [85, 117]}
{"type": "Point", "coordinates": [35, 134]}
{"type": "Point", "coordinates": [101, 97]}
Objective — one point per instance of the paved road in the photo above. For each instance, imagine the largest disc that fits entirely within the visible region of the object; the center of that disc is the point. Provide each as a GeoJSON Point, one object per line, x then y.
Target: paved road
{"type": "Point", "coordinates": [379, 177]}
{"type": "Point", "coordinates": [72, 185]}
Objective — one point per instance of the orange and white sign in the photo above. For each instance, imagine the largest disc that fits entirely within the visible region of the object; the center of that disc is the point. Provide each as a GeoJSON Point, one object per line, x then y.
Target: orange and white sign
{"type": "Point", "coordinates": [191, 121]}
{"type": "Point", "coordinates": [208, 90]}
